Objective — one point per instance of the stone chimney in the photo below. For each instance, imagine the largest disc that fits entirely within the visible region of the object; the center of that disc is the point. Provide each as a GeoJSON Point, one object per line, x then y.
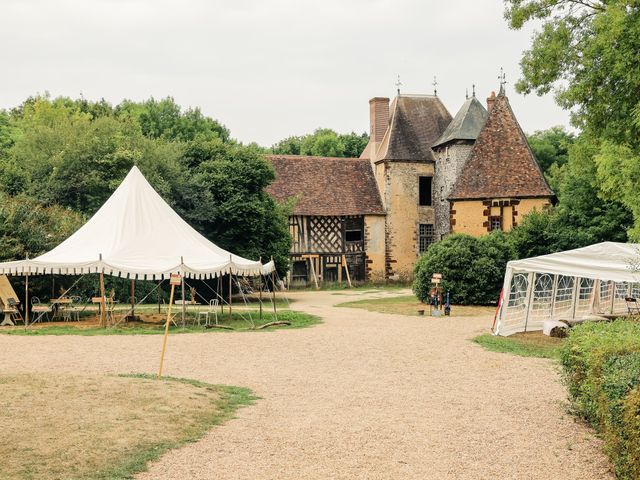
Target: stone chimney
{"type": "Point", "coordinates": [379, 118]}
{"type": "Point", "coordinates": [490, 100]}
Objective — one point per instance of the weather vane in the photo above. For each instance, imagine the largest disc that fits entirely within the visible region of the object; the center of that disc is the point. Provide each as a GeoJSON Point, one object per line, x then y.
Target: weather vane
{"type": "Point", "coordinates": [435, 86]}
{"type": "Point", "coordinates": [473, 89]}
{"type": "Point", "coordinates": [502, 78]}
{"type": "Point", "coordinates": [398, 84]}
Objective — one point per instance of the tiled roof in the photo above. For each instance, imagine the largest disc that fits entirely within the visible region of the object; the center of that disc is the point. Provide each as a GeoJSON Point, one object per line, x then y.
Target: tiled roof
{"type": "Point", "coordinates": [501, 163]}
{"type": "Point", "coordinates": [326, 186]}
{"type": "Point", "coordinates": [467, 123]}
{"type": "Point", "coordinates": [417, 121]}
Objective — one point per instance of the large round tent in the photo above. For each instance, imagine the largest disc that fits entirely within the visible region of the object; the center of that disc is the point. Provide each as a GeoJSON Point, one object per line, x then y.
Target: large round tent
{"type": "Point", "coordinates": [571, 285]}
{"type": "Point", "coordinates": [137, 234]}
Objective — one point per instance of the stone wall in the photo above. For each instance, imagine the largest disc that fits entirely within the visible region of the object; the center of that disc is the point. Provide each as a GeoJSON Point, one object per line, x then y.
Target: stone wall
{"type": "Point", "coordinates": [374, 245]}
{"type": "Point", "coordinates": [400, 197]}
{"type": "Point", "coordinates": [450, 160]}
{"type": "Point", "coordinates": [472, 216]}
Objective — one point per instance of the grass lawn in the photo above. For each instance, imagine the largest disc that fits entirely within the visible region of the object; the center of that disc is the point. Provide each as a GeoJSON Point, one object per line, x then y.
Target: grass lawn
{"type": "Point", "coordinates": [529, 344]}
{"type": "Point", "coordinates": [409, 305]}
{"type": "Point", "coordinates": [103, 427]}
{"type": "Point", "coordinates": [239, 322]}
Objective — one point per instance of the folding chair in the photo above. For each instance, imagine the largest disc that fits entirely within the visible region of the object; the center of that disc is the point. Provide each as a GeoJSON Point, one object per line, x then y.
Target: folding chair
{"type": "Point", "coordinates": [213, 308]}
{"type": "Point", "coordinates": [632, 306]}
{"type": "Point", "coordinates": [39, 310]}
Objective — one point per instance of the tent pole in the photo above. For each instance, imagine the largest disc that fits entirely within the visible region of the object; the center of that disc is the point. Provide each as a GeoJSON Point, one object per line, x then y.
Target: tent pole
{"type": "Point", "coordinates": [103, 302]}
{"type": "Point", "coordinates": [230, 287]}
{"type": "Point", "coordinates": [26, 299]}
{"type": "Point", "coordinates": [158, 296]}
{"type": "Point", "coordinates": [184, 305]}
{"type": "Point", "coordinates": [166, 330]}
{"type": "Point", "coordinates": [530, 293]}
{"type": "Point", "coordinates": [260, 288]}
{"type": "Point", "coordinates": [133, 302]}
{"type": "Point", "coordinates": [273, 284]}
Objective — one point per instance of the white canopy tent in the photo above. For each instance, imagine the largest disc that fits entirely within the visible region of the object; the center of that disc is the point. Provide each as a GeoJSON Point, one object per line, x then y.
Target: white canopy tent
{"type": "Point", "coordinates": [137, 234]}
{"type": "Point", "coordinates": [570, 285]}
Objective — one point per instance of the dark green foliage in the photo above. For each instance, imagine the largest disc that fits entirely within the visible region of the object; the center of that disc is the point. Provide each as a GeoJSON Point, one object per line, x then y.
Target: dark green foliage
{"type": "Point", "coordinates": [601, 364]}
{"type": "Point", "coordinates": [74, 153]}
{"type": "Point", "coordinates": [323, 142]}
{"type": "Point", "coordinates": [472, 268]}
{"type": "Point", "coordinates": [551, 147]}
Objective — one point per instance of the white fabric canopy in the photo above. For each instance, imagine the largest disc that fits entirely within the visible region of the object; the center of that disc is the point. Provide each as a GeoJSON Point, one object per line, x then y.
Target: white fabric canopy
{"type": "Point", "coordinates": [568, 285]}
{"type": "Point", "coordinates": [137, 233]}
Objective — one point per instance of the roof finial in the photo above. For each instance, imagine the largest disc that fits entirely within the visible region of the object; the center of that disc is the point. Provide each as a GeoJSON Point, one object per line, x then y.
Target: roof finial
{"type": "Point", "coordinates": [473, 90]}
{"type": "Point", "coordinates": [503, 81]}
{"type": "Point", "coordinates": [466, 93]}
{"type": "Point", "coordinates": [435, 86]}
{"type": "Point", "coordinates": [398, 84]}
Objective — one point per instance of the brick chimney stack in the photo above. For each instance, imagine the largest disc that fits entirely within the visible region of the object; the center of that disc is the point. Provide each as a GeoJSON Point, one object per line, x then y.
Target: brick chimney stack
{"type": "Point", "coordinates": [490, 100]}
{"type": "Point", "coordinates": [379, 118]}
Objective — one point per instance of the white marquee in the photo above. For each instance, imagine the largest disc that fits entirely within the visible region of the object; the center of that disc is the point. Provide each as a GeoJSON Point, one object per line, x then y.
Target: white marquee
{"type": "Point", "coordinates": [136, 233]}
{"type": "Point", "coordinates": [575, 284]}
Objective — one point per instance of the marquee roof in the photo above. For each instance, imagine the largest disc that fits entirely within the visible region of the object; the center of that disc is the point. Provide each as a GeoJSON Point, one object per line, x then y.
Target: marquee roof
{"type": "Point", "coordinates": [136, 233]}
{"type": "Point", "coordinates": [618, 262]}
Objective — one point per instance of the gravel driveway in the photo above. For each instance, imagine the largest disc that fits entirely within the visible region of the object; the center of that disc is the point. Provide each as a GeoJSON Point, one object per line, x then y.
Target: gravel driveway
{"type": "Point", "coordinates": [363, 395]}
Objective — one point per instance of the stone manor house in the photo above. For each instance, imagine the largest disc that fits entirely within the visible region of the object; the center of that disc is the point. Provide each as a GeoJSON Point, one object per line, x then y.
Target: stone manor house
{"type": "Point", "coordinates": [422, 176]}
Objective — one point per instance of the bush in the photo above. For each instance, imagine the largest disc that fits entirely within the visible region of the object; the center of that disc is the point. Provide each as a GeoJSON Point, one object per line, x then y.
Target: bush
{"type": "Point", "coordinates": [601, 364]}
{"type": "Point", "coordinates": [472, 268]}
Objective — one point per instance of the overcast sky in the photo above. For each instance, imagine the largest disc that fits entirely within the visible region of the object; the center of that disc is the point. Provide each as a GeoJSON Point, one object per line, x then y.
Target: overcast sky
{"type": "Point", "coordinates": [266, 69]}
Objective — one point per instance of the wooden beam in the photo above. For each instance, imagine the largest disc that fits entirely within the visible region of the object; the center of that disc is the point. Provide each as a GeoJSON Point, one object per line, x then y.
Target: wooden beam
{"type": "Point", "coordinates": [26, 299]}
{"type": "Point", "coordinates": [346, 269]}
{"type": "Point", "coordinates": [103, 302]}
{"type": "Point", "coordinates": [313, 273]}
{"type": "Point", "coordinates": [166, 330]}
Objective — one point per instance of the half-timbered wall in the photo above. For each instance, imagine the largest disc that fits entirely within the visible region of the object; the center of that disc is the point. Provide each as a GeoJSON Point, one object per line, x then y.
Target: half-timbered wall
{"type": "Point", "coordinates": [323, 241]}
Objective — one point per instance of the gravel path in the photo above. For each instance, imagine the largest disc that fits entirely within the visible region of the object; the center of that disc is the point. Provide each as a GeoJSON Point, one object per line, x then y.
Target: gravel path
{"type": "Point", "coordinates": [363, 396]}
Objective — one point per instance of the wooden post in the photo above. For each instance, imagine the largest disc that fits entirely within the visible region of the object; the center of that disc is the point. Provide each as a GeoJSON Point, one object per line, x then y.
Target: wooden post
{"type": "Point", "coordinates": [158, 295]}
{"type": "Point", "coordinates": [313, 272]}
{"type": "Point", "coordinates": [166, 330]}
{"type": "Point", "coordinates": [346, 269]}
{"type": "Point", "coordinates": [26, 299]}
{"type": "Point", "coordinates": [273, 283]}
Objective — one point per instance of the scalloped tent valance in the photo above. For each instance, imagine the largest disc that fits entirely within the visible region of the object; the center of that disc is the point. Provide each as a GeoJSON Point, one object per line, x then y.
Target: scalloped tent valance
{"type": "Point", "coordinates": [137, 234]}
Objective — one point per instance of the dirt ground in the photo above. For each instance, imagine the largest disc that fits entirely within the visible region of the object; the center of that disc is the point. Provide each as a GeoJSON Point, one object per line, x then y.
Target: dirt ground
{"type": "Point", "coordinates": [71, 426]}
{"type": "Point", "coordinates": [364, 395]}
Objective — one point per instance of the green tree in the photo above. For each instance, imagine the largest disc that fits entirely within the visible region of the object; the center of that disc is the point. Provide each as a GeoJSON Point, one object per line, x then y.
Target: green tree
{"type": "Point", "coordinates": [586, 51]}
{"type": "Point", "coordinates": [472, 268]}
{"type": "Point", "coordinates": [323, 142]}
{"type": "Point", "coordinates": [551, 147]}
{"type": "Point", "coordinates": [165, 119]}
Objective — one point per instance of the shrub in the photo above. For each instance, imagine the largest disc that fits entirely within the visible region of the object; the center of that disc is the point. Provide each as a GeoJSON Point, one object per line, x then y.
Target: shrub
{"type": "Point", "coordinates": [601, 364]}
{"type": "Point", "coordinates": [472, 268]}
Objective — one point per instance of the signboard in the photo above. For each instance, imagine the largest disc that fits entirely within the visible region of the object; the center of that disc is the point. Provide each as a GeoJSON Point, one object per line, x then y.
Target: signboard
{"type": "Point", "coordinates": [175, 279]}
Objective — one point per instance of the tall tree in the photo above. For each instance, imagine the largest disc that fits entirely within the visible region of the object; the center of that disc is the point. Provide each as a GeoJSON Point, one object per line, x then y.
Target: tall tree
{"type": "Point", "coordinates": [551, 147]}
{"type": "Point", "coordinates": [323, 142]}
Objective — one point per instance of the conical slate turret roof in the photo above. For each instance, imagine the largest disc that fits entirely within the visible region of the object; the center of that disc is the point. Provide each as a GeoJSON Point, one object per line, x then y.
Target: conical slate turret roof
{"type": "Point", "coordinates": [501, 164]}
{"type": "Point", "coordinates": [467, 123]}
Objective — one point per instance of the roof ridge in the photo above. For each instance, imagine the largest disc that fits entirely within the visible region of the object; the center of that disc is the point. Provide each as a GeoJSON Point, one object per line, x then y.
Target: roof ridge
{"type": "Point", "coordinates": [315, 157]}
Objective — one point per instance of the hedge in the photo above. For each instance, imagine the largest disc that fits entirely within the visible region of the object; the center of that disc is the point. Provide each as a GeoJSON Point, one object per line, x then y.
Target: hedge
{"type": "Point", "coordinates": [601, 365]}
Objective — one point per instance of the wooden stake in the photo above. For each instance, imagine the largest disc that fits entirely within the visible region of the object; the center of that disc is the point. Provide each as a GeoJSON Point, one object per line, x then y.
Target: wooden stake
{"type": "Point", "coordinates": [346, 269]}
{"type": "Point", "coordinates": [166, 330]}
